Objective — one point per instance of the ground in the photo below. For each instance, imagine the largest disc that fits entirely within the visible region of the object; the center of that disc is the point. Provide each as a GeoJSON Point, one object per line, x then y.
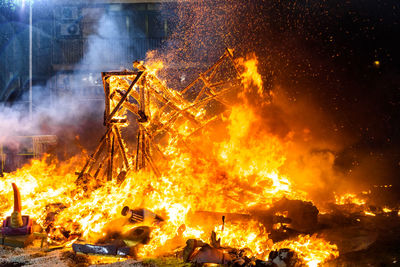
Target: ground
{"type": "Point", "coordinates": [362, 241]}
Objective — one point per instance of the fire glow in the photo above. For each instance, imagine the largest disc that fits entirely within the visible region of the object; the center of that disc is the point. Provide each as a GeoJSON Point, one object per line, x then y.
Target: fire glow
{"type": "Point", "coordinates": [234, 174]}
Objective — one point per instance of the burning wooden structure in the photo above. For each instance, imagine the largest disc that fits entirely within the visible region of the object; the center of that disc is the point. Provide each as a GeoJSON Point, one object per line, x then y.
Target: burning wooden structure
{"type": "Point", "coordinates": [157, 110]}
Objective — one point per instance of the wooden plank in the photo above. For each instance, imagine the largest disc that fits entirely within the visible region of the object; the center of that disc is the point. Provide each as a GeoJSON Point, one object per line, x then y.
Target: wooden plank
{"type": "Point", "coordinates": [124, 97]}
{"type": "Point", "coordinates": [214, 66]}
{"type": "Point", "coordinates": [111, 159]}
{"type": "Point", "coordinates": [137, 150]}
{"type": "Point", "coordinates": [232, 60]}
{"type": "Point", "coordinates": [106, 86]}
{"type": "Point", "coordinates": [95, 154]}
{"type": "Point", "coordinates": [183, 112]}
{"type": "Point", "coordinates": [132, 108]}
{"type": "Point", "coordinates": [177, 98]}
{"type": "Point", "coordinates": [122, 147]}
{"type": "Point", "coordinates": [119, 73]}
{"type": "Point", "coordinates": [208, 99]}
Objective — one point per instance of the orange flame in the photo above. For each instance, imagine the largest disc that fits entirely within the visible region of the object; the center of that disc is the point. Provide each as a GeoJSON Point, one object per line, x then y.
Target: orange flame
{"type": "Point", "coordinates": [250, 76]}
{"type": "Point", "coordinates": [239, 171]}
{"type": "Point", "coordinates": [311, 249]}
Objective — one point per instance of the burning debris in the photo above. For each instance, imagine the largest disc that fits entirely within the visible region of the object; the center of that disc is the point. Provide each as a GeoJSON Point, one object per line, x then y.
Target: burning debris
{"type": "Point", "coordinates": [185, 164]}
{"type": "Point", "coordinates": [198, 252]}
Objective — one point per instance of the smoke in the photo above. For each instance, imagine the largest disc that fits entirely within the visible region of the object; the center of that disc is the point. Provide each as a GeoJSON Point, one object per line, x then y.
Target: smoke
{"type": "Point", "coordinates": [62, 106]}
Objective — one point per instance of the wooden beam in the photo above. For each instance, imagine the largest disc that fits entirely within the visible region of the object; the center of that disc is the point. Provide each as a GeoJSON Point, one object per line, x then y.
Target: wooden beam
{"type": "Point", "coordinates": [119, 73]}
{"type": "Point", "coordinates": [122, 147]}
{"type": "Point", "coordinates": [124, 97]}
{"type": "Point", "coordinates": [96, 153]}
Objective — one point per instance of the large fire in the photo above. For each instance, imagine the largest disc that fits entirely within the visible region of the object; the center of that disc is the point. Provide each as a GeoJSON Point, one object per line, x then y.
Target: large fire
{"type": "Point", "coordinates": [231, 166]}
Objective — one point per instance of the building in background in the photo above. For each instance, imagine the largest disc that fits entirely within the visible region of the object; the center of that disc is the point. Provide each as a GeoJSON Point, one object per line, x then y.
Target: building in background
{"type": "Point", "coordinates": [72, 43]}
{"type": "Point", "coordinates": [15, 151]}
{"type": "Point", "coordinates": [65, 34]}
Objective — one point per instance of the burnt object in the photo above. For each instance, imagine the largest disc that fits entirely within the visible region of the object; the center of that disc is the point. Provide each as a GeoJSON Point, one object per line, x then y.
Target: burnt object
{"type": "Point", "coordinates": [141, 215]}
{"type": "Point", "coordinates": [17, 224]}
{"type": "Point", "coordinates": [116, 249]}
{"type": "Point", "coordinates": [102, 162]}
{"type": "Point", "coordinates": [118, 244]}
